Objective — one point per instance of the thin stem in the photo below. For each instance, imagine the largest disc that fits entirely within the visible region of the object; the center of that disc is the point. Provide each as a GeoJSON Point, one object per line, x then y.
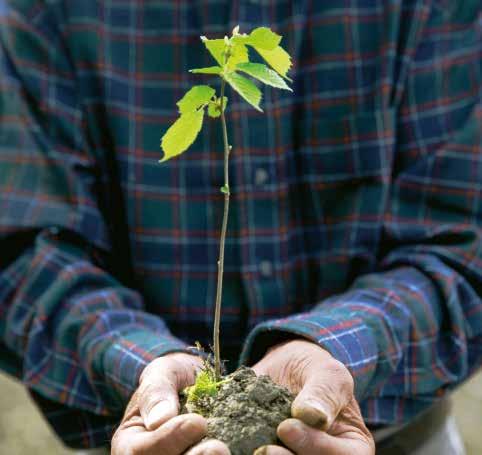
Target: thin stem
{"type": "Point", "coordinates": [217, 310]}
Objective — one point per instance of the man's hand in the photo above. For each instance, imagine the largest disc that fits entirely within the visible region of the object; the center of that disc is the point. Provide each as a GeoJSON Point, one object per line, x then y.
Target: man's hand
{"type": "Point", "coordinates": [151, 424]}
{"type": "Point", "coordinates": [326, 417]}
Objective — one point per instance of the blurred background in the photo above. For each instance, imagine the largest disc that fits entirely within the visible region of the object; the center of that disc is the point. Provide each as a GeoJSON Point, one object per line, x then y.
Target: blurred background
{"type": "Point", "coordinates": [24, 432]}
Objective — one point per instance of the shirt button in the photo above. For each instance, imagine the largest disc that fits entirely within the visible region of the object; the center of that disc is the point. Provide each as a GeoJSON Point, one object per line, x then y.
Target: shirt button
{"type": "Point", "coordinates": [260, 176]}
{"type": "Point", "coordinates": [266, 268]}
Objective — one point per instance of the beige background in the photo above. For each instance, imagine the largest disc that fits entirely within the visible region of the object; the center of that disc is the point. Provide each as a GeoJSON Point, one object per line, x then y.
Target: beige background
{"type": "Point", "coordinates": [23, 431]}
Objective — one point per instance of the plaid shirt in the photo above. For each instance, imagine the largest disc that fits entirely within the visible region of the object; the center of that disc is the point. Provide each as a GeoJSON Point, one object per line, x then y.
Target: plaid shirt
{"type": "Point", "coordinates": [356, 216]}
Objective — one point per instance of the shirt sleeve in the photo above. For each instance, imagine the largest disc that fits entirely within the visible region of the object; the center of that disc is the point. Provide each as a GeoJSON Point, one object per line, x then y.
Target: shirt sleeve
{"type": "Point", "coordinates": [68, 327]}
{"type": "Point", "coordinates": [413, 328]}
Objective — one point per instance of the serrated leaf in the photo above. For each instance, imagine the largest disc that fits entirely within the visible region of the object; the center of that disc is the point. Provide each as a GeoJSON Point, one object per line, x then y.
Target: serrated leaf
{"type": "Point", "coordinates": [239, 54]}
{"type": "Point", "coordinates": [213, 107]}
{"type": "Point", "coordinates": [181, 134]}
{"type": "Point", "coordinates": [264, 74]}
{"type": "Point", "coordinates": [216, 48]}
{"type": "Point", "coordinates": [245, 88]}
{"type": "Point", "coordinates": [241, 38]}
{"type": "Point", "coordinates": [207, 70]}
{"type": "Point", "coordinates": [277, 58]}
{"type": "Point", "coordinates": [213, 110]}
{"type": "Point", "coordinates": [194, 98]}
{"type": "Point", "coordinates": [264, 38]}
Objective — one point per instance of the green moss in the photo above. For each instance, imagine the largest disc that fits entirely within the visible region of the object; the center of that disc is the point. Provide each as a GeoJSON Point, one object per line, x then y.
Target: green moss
{"type": "Point", "coordinates": [205, 387]}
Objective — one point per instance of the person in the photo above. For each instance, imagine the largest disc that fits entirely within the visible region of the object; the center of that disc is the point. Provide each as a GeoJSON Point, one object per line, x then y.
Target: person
{"type": "Point", "coordinates": [353, 267]}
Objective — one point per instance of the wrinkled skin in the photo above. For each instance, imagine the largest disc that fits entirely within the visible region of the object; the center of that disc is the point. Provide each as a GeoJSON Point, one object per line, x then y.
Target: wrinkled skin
{"type": "Point", "coordinates": [326, 417]}
{"type": "Point", "coordinates": [151, 424]}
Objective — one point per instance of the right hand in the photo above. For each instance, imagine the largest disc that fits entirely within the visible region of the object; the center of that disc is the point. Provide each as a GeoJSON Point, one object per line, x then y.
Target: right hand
{"type": "Point", "coordinates": [151, 424]}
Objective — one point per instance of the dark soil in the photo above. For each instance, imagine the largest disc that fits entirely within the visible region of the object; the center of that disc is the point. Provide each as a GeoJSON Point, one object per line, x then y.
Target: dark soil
{"type": "Point", "coordinates": [246, 411]}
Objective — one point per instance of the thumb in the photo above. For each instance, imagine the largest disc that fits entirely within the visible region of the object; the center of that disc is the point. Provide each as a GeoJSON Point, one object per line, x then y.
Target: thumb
{"type": "Point", "coordinates": [158, 404]}
{"type": "Point", "coordinates": [160, 384]}
{"type": "Point", "coordinates": [325, 393]}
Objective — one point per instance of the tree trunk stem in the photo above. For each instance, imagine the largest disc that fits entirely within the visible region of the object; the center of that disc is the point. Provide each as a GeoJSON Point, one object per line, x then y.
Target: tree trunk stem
{"type": "Point", "coordinates": [219, 290]}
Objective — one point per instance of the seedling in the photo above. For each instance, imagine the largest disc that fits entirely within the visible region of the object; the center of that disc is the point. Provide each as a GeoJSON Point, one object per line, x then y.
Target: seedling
{"type": "Point", "coordinates": [232, 57]}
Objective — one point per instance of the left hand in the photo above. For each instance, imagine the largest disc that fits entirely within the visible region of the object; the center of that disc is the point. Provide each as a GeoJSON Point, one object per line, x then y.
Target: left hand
{"type": "Point", "coordinates": [326, 416]}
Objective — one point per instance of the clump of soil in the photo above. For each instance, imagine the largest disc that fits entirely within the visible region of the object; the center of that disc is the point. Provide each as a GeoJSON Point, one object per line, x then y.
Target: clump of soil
{"type": "Point", "coordinates": [245, 411]}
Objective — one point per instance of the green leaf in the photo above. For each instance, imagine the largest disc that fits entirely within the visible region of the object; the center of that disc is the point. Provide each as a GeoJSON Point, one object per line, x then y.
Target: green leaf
{"type": "Point", "coordinates": [263, 74]}
{"type": "Point", "coordinates": [225, 102]}
{"type": "Point", "coordinates": [181, 134]}
{"type": "Point", "coordinates": [225, 189]}
{"type": "Point", "coordinates": [241, 39]}
{"type": "Point", "coordinates": [195, 98]}
{"type": "Point", "coordinates": [264, 38]}
{"type": "Point", "coordinates": [216, 48]}
{"type": "Point", "coordinates": [239, 54]}
{"type": "Point", "coordinates": [245, 88]}
{"type": "Point", "coordinates": [208, 70]}
{"type": "Point", "coordinates": [213, 108]}
{"type": "Point", "coordinates": [277, 58]}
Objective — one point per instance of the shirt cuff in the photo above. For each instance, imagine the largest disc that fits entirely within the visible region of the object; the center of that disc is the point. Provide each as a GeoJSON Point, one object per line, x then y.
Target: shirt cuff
{"type": "Point", "coordinates": [348, 340]}
{"type": "Point", "coordinates": [124, 360]}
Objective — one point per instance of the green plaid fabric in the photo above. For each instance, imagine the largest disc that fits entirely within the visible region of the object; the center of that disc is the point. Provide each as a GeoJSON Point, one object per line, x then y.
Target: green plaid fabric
{"type": "Point", "coordinates": [356, 216]}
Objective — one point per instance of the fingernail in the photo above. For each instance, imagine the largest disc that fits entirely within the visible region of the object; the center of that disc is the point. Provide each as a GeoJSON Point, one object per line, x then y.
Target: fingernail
{"type": "Point", "coordinates": [294, 431]}
{"type": "Point", "coordinates": [261, 451]}
{"type": "Point", "coordinates": [188, 425]}
{"type": "Point", "coordinates": [298, 426]}
{"type": "Point", "coordinates": [210, 447]}
{"type": "Point", "coordinates": [159, 414]}
{"type": "Point", "coordinates": [312, 413]}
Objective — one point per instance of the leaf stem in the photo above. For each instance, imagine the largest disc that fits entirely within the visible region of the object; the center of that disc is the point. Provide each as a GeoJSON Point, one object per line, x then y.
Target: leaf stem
{"type": "Point", "coordinates": [217, 309]}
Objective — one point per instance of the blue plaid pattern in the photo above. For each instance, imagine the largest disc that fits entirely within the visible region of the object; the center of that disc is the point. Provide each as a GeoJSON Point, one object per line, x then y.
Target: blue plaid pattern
{"type": "Point", "coordinates": [356, 215]}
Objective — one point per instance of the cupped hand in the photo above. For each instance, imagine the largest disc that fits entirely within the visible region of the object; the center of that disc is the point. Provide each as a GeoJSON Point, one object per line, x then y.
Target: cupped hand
{"type": "Point", "coordinates": [151, 424]}
{"type": "Point", "coordinates": [326, 416]}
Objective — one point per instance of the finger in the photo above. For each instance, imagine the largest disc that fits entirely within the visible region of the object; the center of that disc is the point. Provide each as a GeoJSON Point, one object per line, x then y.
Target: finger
{"type": "Point", "coordinates": [160, 384]}
{"type": "Point", "coordinates": [211, 447]}
{"type": "Point", "coordinates": [158, 402]}
{"type": "Point", "coordinates": [325, 393]}
{"type": "Point", "coordinates": [306, 440]}
{"type": "Point", "coordinates": [272, 450]}
{"type": "Point", "coordinates": [178, 434]}
{"type": "Point", "coordinates": [172, 438]}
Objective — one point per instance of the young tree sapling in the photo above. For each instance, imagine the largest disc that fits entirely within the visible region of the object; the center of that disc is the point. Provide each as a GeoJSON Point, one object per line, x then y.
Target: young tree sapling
{"type": "Point", "coordinates": [232, 57]}
{"type": "Point", "coordinates": [233, 65]}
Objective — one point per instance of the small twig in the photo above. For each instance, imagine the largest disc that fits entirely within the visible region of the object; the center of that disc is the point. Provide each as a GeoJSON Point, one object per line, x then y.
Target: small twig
{"type": "Point", "coordinates": [226, 191]}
